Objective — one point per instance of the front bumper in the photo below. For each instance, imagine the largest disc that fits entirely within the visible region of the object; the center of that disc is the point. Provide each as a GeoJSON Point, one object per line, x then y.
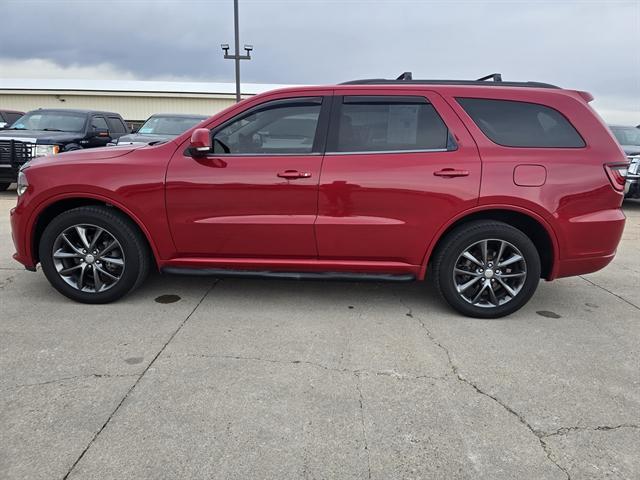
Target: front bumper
{"type": "Point", "coordinates": [8, 173]}
{"type": "Point", "coordinates": [18, 235]}
{"type": "Point", "coordinates": [632, 186]}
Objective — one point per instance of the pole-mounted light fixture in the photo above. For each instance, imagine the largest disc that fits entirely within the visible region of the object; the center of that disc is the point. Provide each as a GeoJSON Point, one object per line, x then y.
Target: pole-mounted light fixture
{"type": "Point", "coordinates": [237, 57]}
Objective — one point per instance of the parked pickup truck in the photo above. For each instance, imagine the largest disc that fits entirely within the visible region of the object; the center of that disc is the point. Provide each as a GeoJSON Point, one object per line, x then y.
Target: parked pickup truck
{"type": "Point", "coordinates": [52, 131]}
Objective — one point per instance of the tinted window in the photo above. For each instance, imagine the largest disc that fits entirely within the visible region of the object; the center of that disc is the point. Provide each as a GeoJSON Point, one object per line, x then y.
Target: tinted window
{"type": "Point", "coordinates": [12, 117]}
{"type": "Point", "coordinates": [159, 125]}
{"type": "Point", "coordinates": [276, 128]}
{"type": "Point", "coordinates": [52, 121]}
{"type": "Point", "coordinates": [116, 125]}
{"type": "Point", "coordinates": [368, 124]}
{"type": "Point", "coordinates": [627, 135]}
{"type": "Point", "coordinates": [99, 122]}
{"type": "Point", "coordinates": [521, 124]}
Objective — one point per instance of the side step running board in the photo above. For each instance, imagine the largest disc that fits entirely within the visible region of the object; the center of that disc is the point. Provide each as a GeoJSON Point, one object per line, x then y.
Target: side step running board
{"type": "Point", "coordinates": [357, 277]}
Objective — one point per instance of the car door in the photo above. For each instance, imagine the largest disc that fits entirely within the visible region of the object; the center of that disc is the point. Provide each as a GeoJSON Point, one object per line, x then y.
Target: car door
{"type": "Point", "coordinates": [397, 167]}
{"type": "Point", "coordinates": [255, 194]}
{"type": "Point", "coordinates": [99, 124]}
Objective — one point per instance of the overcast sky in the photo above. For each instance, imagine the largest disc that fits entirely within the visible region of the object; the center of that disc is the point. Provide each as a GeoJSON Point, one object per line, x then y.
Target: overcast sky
{"type": "Point", "coordinates": [586, 45]}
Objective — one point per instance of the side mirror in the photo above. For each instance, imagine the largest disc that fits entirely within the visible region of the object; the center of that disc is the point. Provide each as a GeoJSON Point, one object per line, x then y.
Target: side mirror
{"type": "Point", "coordinates": [3, 125]}
{"type": "Point", "coordinates": [200, 142]}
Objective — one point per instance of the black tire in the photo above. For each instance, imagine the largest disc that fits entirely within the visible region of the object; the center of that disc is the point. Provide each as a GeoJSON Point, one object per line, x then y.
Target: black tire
{"type": "Point", "coordinates": [4, 186]}
{"type": "Point", "coordinates": [136, 255]}
{"type": "Point", "coordinates": [460, 240]}
{"type": "Point", "coordinates": [72, 147]}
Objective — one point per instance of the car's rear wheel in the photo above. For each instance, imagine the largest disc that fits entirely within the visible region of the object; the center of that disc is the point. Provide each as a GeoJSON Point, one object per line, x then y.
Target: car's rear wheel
{"type": "Point", "coordinates": [486, 269]}
{"type": "Point", "coordinates": [93, 254]}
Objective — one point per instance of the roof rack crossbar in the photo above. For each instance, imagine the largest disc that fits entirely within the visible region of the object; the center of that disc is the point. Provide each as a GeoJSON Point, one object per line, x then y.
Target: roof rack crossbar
{"type": "Point", "coordinates": [496, 77]}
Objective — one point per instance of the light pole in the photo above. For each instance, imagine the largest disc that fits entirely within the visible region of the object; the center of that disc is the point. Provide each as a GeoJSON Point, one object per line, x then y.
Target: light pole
{"type": "Point", "coordinates": [237, 57]}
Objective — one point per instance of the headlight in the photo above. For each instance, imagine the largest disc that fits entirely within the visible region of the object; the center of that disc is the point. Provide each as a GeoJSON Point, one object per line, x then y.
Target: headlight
{"type": "Point", "coordinates": [44, 150]}
{"type": "Point", "coordinates": [634, 167]}
{"type": "Point", "coordinates": [23, 183]}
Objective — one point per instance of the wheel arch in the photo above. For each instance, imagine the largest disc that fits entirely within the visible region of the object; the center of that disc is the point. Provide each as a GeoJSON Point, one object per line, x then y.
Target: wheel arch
{"type": "Point", "coordinates": [48, 212]}
{"type": "Point", "coordinates": [530, 223]}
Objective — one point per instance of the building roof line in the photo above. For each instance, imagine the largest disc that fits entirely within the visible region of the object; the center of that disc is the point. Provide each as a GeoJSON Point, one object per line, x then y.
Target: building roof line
{"type": "Point", "coordinates": [137, 86]}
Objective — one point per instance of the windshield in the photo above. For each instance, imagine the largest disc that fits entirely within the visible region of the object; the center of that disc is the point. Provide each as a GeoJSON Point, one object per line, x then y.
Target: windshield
{"type": "Point", "coordinates": [51, 121]}
{"type": "Point", "coordinates": [168, 125]}
{"type": "Point", "coordinates": [627, 135]}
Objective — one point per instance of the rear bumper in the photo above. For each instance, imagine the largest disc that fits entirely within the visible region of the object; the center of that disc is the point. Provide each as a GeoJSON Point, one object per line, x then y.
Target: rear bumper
{"type": "Point", "coordinates": [581, 266]}
{"type": "Point", "coordinates": [590, 242]}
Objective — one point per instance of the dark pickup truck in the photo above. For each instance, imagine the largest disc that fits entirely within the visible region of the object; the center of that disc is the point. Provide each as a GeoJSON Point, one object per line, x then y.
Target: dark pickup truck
{"type": "Point", "coordinates": [51, 131]}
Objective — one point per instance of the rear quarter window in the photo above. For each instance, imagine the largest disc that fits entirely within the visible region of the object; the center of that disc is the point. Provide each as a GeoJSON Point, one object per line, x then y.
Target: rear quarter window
{"type": "Point", "coordinates": [521, 124]}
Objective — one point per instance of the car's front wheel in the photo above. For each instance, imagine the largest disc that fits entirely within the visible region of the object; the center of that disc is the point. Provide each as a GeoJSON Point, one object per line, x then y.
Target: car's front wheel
{"type": "Point", "coordinates": [4, 186]}
{"type": "Point", "coordinates": [486, 269]}
{"type": "Point", "coordinates": [93, 254]}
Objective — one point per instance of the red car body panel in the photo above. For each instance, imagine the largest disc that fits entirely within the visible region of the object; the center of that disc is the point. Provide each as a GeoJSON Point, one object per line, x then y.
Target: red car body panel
{"type": "Point", "coordinates": [367, 212]}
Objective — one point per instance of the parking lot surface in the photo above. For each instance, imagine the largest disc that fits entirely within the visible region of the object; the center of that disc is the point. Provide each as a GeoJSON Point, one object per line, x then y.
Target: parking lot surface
{"type": "Point", "coordinates": [246, 379]}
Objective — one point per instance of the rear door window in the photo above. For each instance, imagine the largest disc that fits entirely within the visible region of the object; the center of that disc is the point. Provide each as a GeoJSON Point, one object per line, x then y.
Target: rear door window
{"type": "Point", "coordinates": [388, 124]}
{"type": "Point", "coordinates": [521, 124]}
{"type": "Point", "coordinates": [116, 126]}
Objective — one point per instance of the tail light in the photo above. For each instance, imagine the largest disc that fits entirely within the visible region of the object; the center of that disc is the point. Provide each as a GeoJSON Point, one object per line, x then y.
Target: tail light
{"type": "Point", "coordinates": [617, 173]}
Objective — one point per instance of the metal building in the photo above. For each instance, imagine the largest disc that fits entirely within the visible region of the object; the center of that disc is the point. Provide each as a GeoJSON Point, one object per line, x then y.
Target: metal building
{"type": "Point", "coordinates": [134, 100]}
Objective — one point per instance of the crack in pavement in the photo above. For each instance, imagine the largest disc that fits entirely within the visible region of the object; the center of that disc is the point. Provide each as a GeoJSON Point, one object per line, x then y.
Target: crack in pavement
{"type": "Point", "coordinates": [364, 430]}
{"type": "Point", "coordinates": [64, 379]}
{"type": "Point", "coordinates": [385, 373]}
{"type": "Point", "coordinates": [609, 291]}
{"type": "Point", "coordinates": [126, 395]}
{"type": "Point", "coordinates": [6, 282]}
{"type": "Point", "coordinates": [456, 373]}
{"type": "Point", "coordinates": [562, 431]}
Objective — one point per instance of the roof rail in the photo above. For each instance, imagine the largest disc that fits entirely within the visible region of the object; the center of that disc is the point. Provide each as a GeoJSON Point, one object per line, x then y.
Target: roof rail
{"type": "Point", "coordinates": [407, 77]}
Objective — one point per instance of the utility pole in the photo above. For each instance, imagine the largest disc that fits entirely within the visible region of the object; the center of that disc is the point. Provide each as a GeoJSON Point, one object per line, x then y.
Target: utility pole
{"type": "Point", "coordinates": [237, 57]}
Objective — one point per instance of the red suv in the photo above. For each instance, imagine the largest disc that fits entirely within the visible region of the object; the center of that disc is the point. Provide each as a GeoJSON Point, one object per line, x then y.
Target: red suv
{"type": "Point", "coordinates": [485, 187]}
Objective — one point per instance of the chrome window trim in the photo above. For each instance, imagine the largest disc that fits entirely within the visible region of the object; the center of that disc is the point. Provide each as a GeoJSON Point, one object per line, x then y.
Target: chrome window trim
{"type": "Point", "coordinates": [221, 155]}
{"type": "Point", "coordinates": [428, 150]}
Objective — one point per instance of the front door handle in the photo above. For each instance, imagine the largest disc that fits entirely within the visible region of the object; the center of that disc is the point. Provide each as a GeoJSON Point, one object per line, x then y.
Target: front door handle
{"type": "Point", "coordinates": [292, 174]}
{"type": "Point", "coordinates": [451, 172]}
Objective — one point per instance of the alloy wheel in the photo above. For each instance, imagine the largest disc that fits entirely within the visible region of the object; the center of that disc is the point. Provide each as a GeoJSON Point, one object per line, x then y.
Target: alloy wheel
{"type": "Point", "coordinates": [489, 273]}
{"type": "Point", "coordinates": [89, 258]}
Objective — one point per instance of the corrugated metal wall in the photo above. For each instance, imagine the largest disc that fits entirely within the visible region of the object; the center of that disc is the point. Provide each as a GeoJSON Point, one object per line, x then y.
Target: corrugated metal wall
{"type": "Point", "coordinates": [130, 106]}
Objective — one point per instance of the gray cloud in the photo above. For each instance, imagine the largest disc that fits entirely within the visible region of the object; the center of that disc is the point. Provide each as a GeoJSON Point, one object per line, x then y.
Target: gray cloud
{"type": "Point", "coordinates": [586, 45]}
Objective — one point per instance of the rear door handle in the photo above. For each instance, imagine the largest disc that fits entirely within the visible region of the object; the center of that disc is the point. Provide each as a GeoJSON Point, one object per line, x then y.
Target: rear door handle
{"type": "Point", "coordinates": [451, 172]}
{"type": "Point", "coordinates": [292, 174]}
